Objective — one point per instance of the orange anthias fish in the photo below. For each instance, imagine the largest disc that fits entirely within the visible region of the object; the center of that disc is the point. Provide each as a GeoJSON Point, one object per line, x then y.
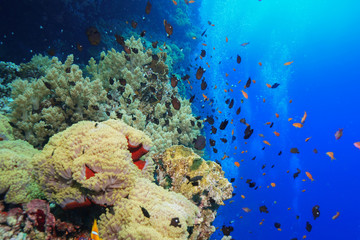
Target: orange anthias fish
{"type": "Point", "coordinates": [260, 64]}
{"type": "Point", "coordinates": [288, 63]}
{"type": "Point", "coordinates": [335, 216]}
{"type": "Point", "coordinates": [237, 164]}
{"type": "Point", "coordinates": [226, 39]}
{"type": "Point", "coordinates": [244, 94]}
{"type": "Point", "coordinates": [175, 3]}
{"type": "Point", "coordinates": [244, 44]}
{"type": "Point", "coordinates": [289, 119]}
{"type": "Point", "coordinates": [266, 142]}
{"type": "Point", "coordinates": [357, 144]}
{"type": "Point", "coordinates": [297, 125]}
{"type": "Point", "coordinates": [246, 209]}
{"type": "Point", "coordinates": [268, 85]}
{"type": "Point", "coordinates": [304, 117]}
{"type": "Point", "coordinates": [309, 176]}
{"type": "Point", "coordinates": [277, 115]}
{"type": "Point", "coordinates": [276, 133]}
{"type": "Point", "coordinates": [307, 139]}
{"type": "Point", "coordinates": [95, 232]}
{"type": "Point", "coordinates": [331, 154]}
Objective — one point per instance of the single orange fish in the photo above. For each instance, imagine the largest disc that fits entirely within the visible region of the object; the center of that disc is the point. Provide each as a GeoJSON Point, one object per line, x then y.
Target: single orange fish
{"type": "Point", "coordinates": [260, 64]}
{"type": "Point", "coordinates": [244, 94]}
{"type": "Point", "coordinates": [288, 63]}
{"type": "Point", "coordinates": [243, 196]}
{"type": "Point", "coordinates": [203, 44]}
{"type": "Point", "coordinates": [357, 144]}
{"type": "Point", "coordinates": [277, 115]}
{"type": "Point", "coordinates": [297, 125]}
{"type": "Point", "coordinates": [244, 44]}
{"type": "Point", "coordinates": [307, 139]}
{"type": "Point", "coordinates": [232, 132]}
{"type": "Point", "coordinates": [191, 1]}
{"type": "Point", "coordinates": [273, 184]}
{"type": "Point", "coordinates": [309, 176]}
{"type": "Point", "coordinates": [289, 119]}
{"type": "Point", "coordinates": [237, 164]}
{"type": "Point", "coordinates": [246, 209]}
{"type": "Point", "coordinates": [276, 133]}
{"type": "Point", "coordinates": [226, 74]}
{"type": "Point", "coordinates": [331, 155]}
{"type": "Point", "coordinates": [264, 100]}
{"type": "Point", "coordinates": [227, 39]}
{"type": "Point", "coordinates": [336, 216]}
{"type": "Point", "coordinates": [290, 101]}
{"type": "Point", "coordinates": [205, 97]}
{"type": "Point", "coordinates": [268, 85]}
{"type": "Point", "coordinates": [215, 87]}
{"type": "Point", "coordinates": [267, 123]}
{"type": "Point", "coordinates": [253, 81]}
{"type": "Point", "coordinates": [225, 90]}
{"type": "Point", "coordinates": [304, 117]}
{"type": "Point", "coordinates": [201, 57]}
{"type": "Point", "coordinates": [266, 142]}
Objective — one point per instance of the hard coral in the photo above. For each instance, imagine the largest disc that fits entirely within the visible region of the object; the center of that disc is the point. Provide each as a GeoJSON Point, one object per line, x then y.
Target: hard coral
{"type": "Point", "coordinates": [203, 182]}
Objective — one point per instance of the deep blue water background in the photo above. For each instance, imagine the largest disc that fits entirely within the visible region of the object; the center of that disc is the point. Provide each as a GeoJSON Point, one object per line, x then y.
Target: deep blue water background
{"type": "Point", "coordinates": [321, 37]}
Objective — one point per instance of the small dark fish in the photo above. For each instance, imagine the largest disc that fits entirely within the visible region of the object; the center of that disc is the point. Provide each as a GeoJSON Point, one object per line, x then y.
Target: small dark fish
{"type": "Point", "coordinates": [199, 73]}
{"type": "Point", "coordinates": [227, 101]}
{"type": "Point", "coordinates": [263, 148]}
{"type": "Point", "coordinates": [273, 166]}
{"type": "Point", "coordinates": [213, 130]}
{"type": "Point", "coordinates": [232, 180]}
{"type": "Point", "coordinates": [145, 212]}
{"type": "Point", "coordinates": [277, 225]}
{"type": "Point", "coordinates": [248, 180]}
{"type": "Point", "coordinates": [253, 158]}
{"type": "Point", "coordinates": [224, 140]}
{"type": "Point", "coordinates": [215, 151]}
{"type": "Point", "coordinates": [280, 153]}
{"type": "Point", "coordinates": [168, 28]}
{"type": "Point", "coordinates": [142, 34]}
{"type": "Point", "coordinates": [154, 44]}
{"type": "Point", "coordinates": [197, 178]}
{"type": "Point", "coordinates": [238, 59]}
{"type": "Point", "coordinates": [134, 24]}
{"type": "Point", "coordinates": [308, 227]}
{"type": "Point", "coordinates": [223, 124]}
{"type": "Point", "coordinates": [263, 166]}
{"type": "Point", "coordinates": [231, 103]}
{"type": "Point", "coordinates": [175, 222]}
{"type": "Point", "coordinates": [120, 39]}
{"type": "Point", "coordinates": [212, 142]}
{"type": "Point", "coordinates": [51, 52]}
{"type": "Point", "coordinates": [275, 85]}
{"type": "Point", "coordinates": [204, 32]}
{"type": "Point", "coordinates": [122, 81]}
{"type": "Point", "coordinates": [252, 184]}
{"type": "Point", "coordinates": [248, 83]}
{"type": "Point", "coordinates": [315, 151]}
{"type": "Point", "coordinates": [316, 211]}
{"type": "Point", "coordinates": [243, 120]}
{"type": "Point", "coordinates": [203, 53]}
{"type": "Point", "coordinates": [200, 142]}
{"type": "Point", "coordinates": [297, 217]}
{"type": "Point", "coordinates": [209, 22]}
{"type": "Point", "coordinates": [294, 239]}
{"type": "Point", "coordinates": [203, 85]}
{"type": "Point", "coordinates": [192, 98]}
{"type": "Point", "coordinates": [295, 175]}
{"type": "Point", "coordinates": [264, 209]}
{"type": "Point", "coordinates": [227, 230]}
{"type": "Point", "coordinates": [294, 150]}
{"type": "Point", "coordinates": [186, 77]}
{"type": "Point", "coordinates": [238, 111]}
{"type": "Point", "coordinates": [210, 120]}
{"type": "Point", "coordinates": [248, 132]}
{"type": "Point", "coordinates": [233, 138]}
{"type": "Point", "coordinates": [175, 103]}
{"type": "Point", "coordinates": [148, 7]}
{"type": "Point", "coordinates": [174, 81]}
{"type": "Point", "coordinates": [271, 125]}
{"type": "Point", "coordinates": [135, 50]}
{"type": "Point", "coordinates": [93, 35]}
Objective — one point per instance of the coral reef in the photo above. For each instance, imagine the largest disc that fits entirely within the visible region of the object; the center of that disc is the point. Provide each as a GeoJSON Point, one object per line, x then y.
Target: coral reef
{"type": "Point", "coordinates": [150, 212]}
{"type": "Point", "coordinates": [203, 182]}
{"type": "Point", "coordinates": [49, 104]}
{"type": "Point", "coordinates": [33, 221]}
{"type": "Point", "coordinates": [17, 182]}
{"type": "Point", "coordinates": [6, 132]}
{"type": "Point", "coordinates": [92, 163]}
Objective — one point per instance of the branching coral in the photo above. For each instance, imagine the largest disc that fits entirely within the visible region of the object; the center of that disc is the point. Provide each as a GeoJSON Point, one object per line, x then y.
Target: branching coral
{"type": "Point", "coordinates": [203, 182]}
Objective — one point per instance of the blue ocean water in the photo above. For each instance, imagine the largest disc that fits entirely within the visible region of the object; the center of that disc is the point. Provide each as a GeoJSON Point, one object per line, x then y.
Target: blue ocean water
{"type": "Point", "coordinates": [320, 37]}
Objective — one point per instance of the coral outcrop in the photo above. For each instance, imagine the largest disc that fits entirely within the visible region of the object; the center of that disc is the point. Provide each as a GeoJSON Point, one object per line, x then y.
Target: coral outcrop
{"type": "Point", "coordinates": [17, 182]}
{"type": "Point", "coordinates": [92, 163]}
{"type": "Point", "coordinates": [203, 182]}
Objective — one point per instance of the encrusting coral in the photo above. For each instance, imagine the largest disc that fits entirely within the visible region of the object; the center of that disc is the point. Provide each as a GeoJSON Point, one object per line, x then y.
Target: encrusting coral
{"type": "Point", "coordinates": [92, 163]}
{"type": "Point", "coordinates": [203, 182]}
